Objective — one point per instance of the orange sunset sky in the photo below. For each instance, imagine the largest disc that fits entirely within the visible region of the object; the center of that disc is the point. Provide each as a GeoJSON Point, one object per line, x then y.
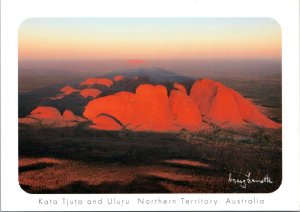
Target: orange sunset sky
{"type": "Point", "coordinates": [148, 38]}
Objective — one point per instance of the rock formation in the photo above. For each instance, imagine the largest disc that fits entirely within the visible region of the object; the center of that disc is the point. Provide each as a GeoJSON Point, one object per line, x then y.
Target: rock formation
{"type": "Point", "coordinates": [67, 90]}
{"type": "Point", "coordinates": [45, 112]}
{"type": "Point", "coordinates": [118, 78]}
{"type": "Point", "coordinates": [50, 116]}
{"type": "Point", "coordinates": [148, 109]}
{"type": "Point", "coordinates": [225, 107]}
{"type": "Point", "coordinates": [98, 81]}
{"type": "Point", "coordinates": [103, 122]}
{"type": "Point", "coordinates": [151, 109]}
{"type": "Point", "coordinates": [90, 92]}
{"type": "Point", "coordinates": [68, 115]}
{"type": "Point", "coordinates": [187, 114]}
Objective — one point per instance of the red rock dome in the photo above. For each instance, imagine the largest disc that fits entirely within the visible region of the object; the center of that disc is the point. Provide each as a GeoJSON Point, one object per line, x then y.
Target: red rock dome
{"type": "Point", "coordinates": [187, 114]}
{"type": "Point", "coordinates": [68, 115]}
{"type": "Point", "coordinates": [225, 107]}
{"type": "Point", "coordinates": [50, 116]}
{"type": "Point", "coordinates": [90, 92]}
{"type": "Point", "coordinates": [148, 109]}
{"type": "Point", "coordinates": [98, 81]}
{"type": "Point", "coordinates": [67, 90]}
{"type": "Point", "coordinates": [106, 123]}
{"type": "Point", "coordinates": [118, 78]}
{"type": "Point", "coordinates": [45, 112]}
{"type": "Point", "coordinates": [153, 108]}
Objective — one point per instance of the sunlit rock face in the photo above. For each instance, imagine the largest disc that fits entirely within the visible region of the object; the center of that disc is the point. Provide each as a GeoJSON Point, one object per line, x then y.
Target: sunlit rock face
{"type": "Point", "coordinates": [119, 105]}
{"type": "Point", "coordinates": [51, 117]}
{"type": "Point", "coordinates": [153, 102]}
{"type": "Point", "coordinates": [148, 109]}
{"type": "Point", "coordinates": [118, 78]}
{"type": "Point", "coordinates": [250, 112]}
{"type": "Point", "coordinates": [187, 114]}
{"type": "Point", "coordinates": [68, 115]}
{"type": "Point", "coordinates": [151, 108]}
{"type": "Point", "coordinates": [98, 81]}
{"type": "Point", "coordinates": [225, 107]}
{"type": "Point", "coordinates": [106, 123]}
{"type": "Point", "coordinates": [67, 90]}
{"type": "Point", "coordinates": [45, 112]}
{"type": "Point", "coordinates": [90, 92]}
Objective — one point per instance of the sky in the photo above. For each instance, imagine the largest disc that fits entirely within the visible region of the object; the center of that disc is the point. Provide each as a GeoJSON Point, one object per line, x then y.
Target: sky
{"type": "Point", "coordinates": [149, 38]}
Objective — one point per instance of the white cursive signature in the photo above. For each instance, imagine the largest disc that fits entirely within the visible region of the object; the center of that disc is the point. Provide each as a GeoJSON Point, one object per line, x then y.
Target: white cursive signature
{"type": "Point", "coordinates": [248, 180]}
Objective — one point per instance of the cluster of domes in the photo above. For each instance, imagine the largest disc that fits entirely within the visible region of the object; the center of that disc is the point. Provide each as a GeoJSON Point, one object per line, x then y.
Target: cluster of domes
{"type": "Point", "coordinates": [151, 108]}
